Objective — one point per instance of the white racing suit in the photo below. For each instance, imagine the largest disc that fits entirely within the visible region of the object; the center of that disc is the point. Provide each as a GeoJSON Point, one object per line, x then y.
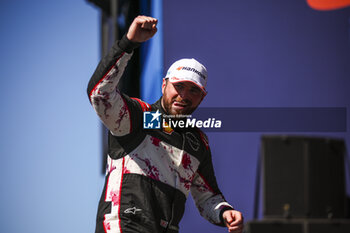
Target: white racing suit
{"type": "Point", "coordinates": [150, 172]}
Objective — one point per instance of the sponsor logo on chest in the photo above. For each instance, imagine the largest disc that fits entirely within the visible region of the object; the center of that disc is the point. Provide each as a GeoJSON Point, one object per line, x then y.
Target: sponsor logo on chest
{"type": "Point", "coordinates": [192, 141]}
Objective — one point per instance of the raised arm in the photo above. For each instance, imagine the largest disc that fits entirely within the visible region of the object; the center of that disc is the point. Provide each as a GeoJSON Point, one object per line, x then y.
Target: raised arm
{"type": "Point", "coordinates": [109, 104]}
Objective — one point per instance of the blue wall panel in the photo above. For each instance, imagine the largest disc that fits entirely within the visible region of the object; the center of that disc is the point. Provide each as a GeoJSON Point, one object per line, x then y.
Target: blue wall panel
{"type": "Point", "coordinates": [258, 54]}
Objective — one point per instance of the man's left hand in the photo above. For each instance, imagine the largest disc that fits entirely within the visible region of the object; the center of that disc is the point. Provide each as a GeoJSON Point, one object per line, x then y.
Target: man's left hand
{"type": "Point", "coordinates": [142, 29]}
{"type": "Point", "coordinates": [233, 220]}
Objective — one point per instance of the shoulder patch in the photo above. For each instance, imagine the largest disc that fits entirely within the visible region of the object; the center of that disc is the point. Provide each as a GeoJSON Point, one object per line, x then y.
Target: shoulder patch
{"type": "Point", "coordinates": [167, 129]}
{"type": "Point", "coordinates": [145, 106]}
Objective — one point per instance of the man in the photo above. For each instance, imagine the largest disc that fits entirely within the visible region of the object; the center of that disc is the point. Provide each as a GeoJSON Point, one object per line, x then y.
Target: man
{"type": "Point", "coordinates": [151, 172]}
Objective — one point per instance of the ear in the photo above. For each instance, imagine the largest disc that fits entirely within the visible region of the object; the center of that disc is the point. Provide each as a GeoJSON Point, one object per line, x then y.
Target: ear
{"type": "Point", "coordinates": [163, 85]}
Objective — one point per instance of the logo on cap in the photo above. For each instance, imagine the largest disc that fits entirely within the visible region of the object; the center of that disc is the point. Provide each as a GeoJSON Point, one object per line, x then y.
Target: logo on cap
{"type": "Point", "coordinates": [191, 69]}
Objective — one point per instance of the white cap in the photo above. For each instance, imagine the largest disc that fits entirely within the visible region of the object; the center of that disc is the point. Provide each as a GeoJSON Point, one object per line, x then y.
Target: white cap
{"type": "Point", "coordinates": [188, 70]}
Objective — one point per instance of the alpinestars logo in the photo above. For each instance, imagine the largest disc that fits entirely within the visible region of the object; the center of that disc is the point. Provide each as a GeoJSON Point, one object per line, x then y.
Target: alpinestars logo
{"type": "Point", "coordinates": [151, 120]}
{"type": "Point", "coordinates": [132, 210]}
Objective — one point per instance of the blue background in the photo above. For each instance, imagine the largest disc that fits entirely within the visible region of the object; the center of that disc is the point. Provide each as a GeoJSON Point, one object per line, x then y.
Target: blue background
{"type": "Point", "coordinates": [50, 137]}
{"type": "Point", "coordinates": [258, 54]}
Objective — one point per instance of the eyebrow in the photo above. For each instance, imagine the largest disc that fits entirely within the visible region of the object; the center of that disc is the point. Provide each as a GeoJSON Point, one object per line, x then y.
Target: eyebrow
{"type": "Point", "coordinates": [193, 87]}
{"type": "Point", "coordinates": [196, 88]}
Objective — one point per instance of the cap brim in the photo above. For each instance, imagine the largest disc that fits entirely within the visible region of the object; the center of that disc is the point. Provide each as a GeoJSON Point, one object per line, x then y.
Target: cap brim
{"type": "Point", "coordinates": [178, 81]}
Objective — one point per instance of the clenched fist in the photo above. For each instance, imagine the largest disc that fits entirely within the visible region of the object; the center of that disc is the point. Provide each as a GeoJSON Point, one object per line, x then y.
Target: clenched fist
{"type": "Point", "coordinates": [233, 220]}
{"type": "Point", "coordinates": [142, 29]}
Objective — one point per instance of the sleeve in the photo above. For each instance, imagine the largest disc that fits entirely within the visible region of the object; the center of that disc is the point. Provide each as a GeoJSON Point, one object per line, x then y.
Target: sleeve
{"type": "Point", "coordinates": [110, 105]}
{"type": "Point", "coordinates": [205, 192]}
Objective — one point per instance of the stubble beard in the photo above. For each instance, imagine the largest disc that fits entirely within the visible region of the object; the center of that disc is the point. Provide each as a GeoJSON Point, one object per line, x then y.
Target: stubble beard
{"type": "Point", "coordinates": [167, 105]}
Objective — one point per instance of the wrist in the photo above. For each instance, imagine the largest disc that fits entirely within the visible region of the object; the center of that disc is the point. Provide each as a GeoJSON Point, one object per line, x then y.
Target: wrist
{"type": "Point", "coordinates": [127, 45]}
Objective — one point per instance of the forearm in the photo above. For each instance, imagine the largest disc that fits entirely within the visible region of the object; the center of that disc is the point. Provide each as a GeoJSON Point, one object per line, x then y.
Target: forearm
{"type": "Point", "coordinates": [102, 89]}
{"type": "Point", "coordinates": [209, 200]}
{"type": "Point", "coordinates": [108, 103]}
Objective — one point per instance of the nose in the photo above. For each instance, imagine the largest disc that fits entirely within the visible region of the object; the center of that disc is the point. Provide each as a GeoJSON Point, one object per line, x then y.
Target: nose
{"type": "Point", "coordinates": [184, 93]}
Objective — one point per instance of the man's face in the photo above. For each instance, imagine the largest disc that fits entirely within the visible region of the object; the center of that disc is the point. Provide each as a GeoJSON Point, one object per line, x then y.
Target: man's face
{"type": "Point", "coordinates": [181, 98]}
